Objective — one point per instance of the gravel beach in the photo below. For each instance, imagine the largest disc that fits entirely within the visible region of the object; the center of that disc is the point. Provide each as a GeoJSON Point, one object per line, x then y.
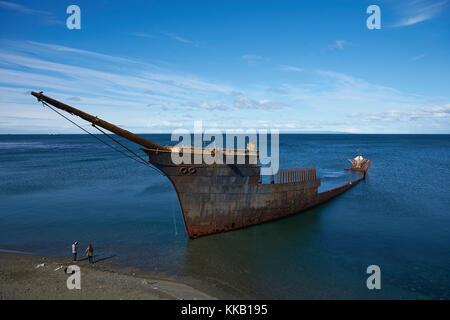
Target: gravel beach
{"type": "Point", "coordinates": [26, 276]}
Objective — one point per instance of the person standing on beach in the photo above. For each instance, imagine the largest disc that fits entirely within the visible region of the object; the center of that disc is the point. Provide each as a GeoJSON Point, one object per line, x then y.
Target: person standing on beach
{"type": "Point", "coordinates": [90, 253]}
{"type": "Point", "coordinates": [74, 250]}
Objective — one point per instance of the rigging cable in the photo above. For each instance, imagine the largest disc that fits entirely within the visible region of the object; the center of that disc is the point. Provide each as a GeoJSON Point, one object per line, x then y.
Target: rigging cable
{"type": "Point", "coordinates": [139, 160]}
{"type": "Point", "coordinates": [173, 216]}
{"type": "Point", "coordinates": [109, 136]}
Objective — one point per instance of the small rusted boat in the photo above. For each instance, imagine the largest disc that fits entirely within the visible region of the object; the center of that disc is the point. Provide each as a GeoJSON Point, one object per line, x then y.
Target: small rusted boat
{"type": "Point", "coordinates": [223, 197]}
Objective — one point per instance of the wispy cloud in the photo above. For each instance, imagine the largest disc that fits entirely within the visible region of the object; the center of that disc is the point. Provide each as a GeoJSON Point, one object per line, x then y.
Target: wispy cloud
{"type": "Point", "coordinates": [243, 102]}
{"type": "Point", "coordinates": [352, 99]}
{"type": "Point", "coordinates": [251, 57]}
{"type": "Point", "coordinates": [254, 59]}
{"type": "Point", "coordinates": [176, 37]}
{"type": "Point", "coordinates": [209, 105]}
{"type": "Point", "coordinates": [137, 89]}
{"type": "Point", "coordinates": [414, 12]}
{"type": "Point", "coordinates": [340, 93]}
{"type": "Point", "coordinates": [420, 56]}
{"type": "Point", "coordinates": [142, 35]}
{"type": "Point", "coordinates": [100, 89]}
{"type": "Point", "coordinates": [277, 90]}
{"type": "Point", "coordinates": [339, 44]}
{"type": "Point", "coordinates": [131, 93]}
{"type": "Point", "coordinates": [22, 9]}
{"type": "Point", "coordinates": [164, 124]}
{"type": "Point", "coordinates": [441, 113]}
{"type": "Point", "coordinates": [48, 17]}
{"type": "Point", "coordinates": [33, 45]}
{"type": "Point", "coordinates": [291, 68]}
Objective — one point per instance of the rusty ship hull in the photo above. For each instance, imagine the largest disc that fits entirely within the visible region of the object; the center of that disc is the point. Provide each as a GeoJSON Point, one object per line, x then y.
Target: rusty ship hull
{"type": "Point", "coordinates": [222, 197]}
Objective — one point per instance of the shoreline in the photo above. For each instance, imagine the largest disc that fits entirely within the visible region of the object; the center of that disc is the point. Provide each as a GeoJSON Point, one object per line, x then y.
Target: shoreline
{"type": "Point", "coordinates": [31, 276]}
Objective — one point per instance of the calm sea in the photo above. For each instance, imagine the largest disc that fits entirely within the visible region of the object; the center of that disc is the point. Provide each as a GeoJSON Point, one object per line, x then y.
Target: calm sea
{"type": "Point", "coordinates": [57, 189]}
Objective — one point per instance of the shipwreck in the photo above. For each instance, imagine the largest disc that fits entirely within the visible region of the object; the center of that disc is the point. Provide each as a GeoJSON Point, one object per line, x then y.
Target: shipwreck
{"type": "Point", "coordinates": [222, 197]}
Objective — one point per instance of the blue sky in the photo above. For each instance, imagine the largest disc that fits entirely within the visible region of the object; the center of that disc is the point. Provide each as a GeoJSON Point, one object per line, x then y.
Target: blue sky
{"type": "Point", "coordinates": [296, 66]}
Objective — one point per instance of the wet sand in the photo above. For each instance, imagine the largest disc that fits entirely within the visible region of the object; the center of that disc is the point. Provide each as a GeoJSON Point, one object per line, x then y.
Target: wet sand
{"type": "Point", "coordinates": [26, 276]}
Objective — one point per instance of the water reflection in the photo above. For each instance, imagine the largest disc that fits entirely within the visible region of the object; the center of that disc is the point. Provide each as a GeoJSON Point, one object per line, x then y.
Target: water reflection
{"type": "Point", "coordinates": [246, 261]}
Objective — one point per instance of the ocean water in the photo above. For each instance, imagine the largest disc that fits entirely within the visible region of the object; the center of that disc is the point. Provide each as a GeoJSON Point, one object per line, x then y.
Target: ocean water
{"type": "Point", "coordinates": [57, 189]}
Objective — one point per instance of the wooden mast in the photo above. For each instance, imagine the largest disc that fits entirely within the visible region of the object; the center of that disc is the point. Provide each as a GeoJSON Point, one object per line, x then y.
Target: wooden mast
{"type": "Point", "coordinates": [99, 122]}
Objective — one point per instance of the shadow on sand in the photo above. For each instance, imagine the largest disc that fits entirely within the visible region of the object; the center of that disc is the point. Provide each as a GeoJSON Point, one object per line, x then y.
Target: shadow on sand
{"type": "Point", "coordinates": [96, 258]}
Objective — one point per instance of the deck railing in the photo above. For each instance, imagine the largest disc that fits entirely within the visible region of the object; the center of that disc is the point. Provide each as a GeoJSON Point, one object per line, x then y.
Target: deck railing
{"type": "Point", "coordinates": [296, 175]}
